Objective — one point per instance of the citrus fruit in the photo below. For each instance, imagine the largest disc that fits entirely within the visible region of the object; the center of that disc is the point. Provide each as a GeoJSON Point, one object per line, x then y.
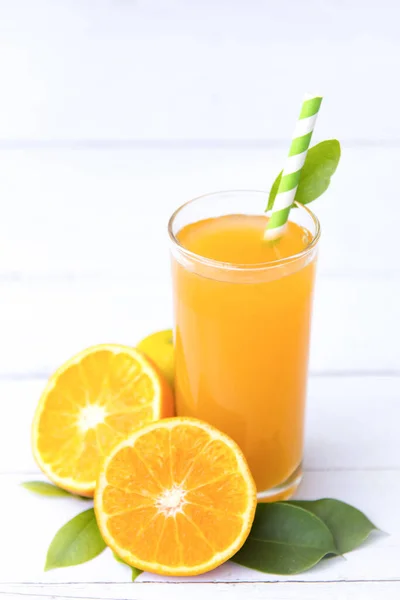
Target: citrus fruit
{"type": "Point", "coordinates": [175, 498]}
{"type": "Point", "coordinates": [159, 347]}
{"type": "Point", "coordinates": [89, 405]}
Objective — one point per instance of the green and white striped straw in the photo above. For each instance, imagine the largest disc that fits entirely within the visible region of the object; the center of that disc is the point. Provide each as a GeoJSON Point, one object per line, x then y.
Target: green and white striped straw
{"type": "Point", "coordinates": [291, 173]}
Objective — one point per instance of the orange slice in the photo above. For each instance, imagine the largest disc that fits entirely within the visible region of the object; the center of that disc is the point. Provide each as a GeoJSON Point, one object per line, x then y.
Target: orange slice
{"type": "Point", "coordinates": [89, 405]}
{"type": "Point", "coordinates": [175, 498]}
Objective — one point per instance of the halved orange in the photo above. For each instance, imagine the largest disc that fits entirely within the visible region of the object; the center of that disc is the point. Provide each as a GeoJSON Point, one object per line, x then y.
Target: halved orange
{"type": "Point", "coordinates": [175, 498]}
{"type": "Point", "coordinates": [89, 405]}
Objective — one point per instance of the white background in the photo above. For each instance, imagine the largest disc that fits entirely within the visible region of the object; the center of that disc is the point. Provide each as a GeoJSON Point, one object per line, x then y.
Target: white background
{"type": "Point", "coordinates": [112, 113]}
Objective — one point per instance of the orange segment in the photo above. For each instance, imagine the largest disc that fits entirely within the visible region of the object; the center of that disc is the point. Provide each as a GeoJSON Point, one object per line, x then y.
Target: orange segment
{"type": "Point", "coordinates": [175, 498]}
{"type": "Point", "coordinates": [89, 405]}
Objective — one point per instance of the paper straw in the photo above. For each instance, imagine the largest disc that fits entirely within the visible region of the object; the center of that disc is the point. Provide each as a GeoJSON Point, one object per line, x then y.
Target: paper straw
{"type": "Point", "coordinates": [291, 173]}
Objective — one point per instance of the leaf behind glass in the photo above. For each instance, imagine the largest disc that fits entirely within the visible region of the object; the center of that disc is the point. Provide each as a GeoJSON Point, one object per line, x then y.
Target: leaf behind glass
{"type": "Point", "coordinates": [320, 164]}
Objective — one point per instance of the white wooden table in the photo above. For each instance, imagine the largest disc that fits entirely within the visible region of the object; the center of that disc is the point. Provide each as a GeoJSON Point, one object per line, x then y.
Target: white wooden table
{"type": "Point", "coordinates": [94, 156]}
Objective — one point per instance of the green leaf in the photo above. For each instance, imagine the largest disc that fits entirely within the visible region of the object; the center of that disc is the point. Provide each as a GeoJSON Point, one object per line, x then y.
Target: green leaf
{"type": "Point", "coordinates": [285, 540]}
{"type": "Point", "coordinates": [135, 572]}
{"type": "Point", "coordinates": [320, 164]}
{"type": "Point", "coordinates": [76, 542]}
{"type": "Point", "coordinates": [349, 526]}
{"type": "Point", "coordinates": [47, 489]}
{"type": "Point", "coordinates": [273, 192]}
{"type": "Point", "coordinates": [118, 559]}
{"type": "Point", "coordinates": [44, 489]}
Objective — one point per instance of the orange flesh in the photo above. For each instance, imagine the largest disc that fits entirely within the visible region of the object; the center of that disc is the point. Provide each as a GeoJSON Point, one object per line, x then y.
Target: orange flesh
{"type": "Point", "coordinates": [92, 405]}
{"type": "Point", "coordinates": [175, 499]}
{"type": "Point", "coordinates": [242, 347]}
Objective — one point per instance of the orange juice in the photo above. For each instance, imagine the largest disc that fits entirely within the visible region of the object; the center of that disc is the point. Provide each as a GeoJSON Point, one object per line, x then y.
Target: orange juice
{"type": "Point", "coordinates": [242, 322]}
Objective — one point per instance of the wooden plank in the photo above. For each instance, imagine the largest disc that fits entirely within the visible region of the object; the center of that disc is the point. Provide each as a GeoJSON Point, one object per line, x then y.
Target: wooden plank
{"type": "Point", "coordinates": [355, 325]}
{"type": "Point", "coordinates": [147, 70]}
{"type": "Point", "coordinates": [104, 212]}
{"type": "Point", "coordinates": [352, 424]}
{"type": "Point", "coordinates": [181, 591]}
{"type": "Point", "coordinates": [374, 492]}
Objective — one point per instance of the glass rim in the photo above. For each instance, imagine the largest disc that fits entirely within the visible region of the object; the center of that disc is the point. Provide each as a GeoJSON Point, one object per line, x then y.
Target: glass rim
{"type": "Point", "coordinates": [217, 264]}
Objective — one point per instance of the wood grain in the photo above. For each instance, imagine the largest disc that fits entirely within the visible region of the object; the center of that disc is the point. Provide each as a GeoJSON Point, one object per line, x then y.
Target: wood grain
{"type": "Point", "coordinates": [352, 453]}
{"type": "Point", "coordinates": [373, 492]}
{"type": "Point", "coordinates": [331, 590]}
{"type": "Point", "coordinates": [352, 424]}
{"type": "Point", "coordinates": [110, 117]}
{"type": "Point", "coordinates": [103, 211]}
{"type": "Point", "coordinates": [151, 70]}
{"type": "Point", "coordinates": [355, 323]}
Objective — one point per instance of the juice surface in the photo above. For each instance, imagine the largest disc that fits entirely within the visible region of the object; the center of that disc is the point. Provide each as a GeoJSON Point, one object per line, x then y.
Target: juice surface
{"type": "Point", "coordinates": [239, 239]}
{"type": "Point", "coordinates": [242, 343]}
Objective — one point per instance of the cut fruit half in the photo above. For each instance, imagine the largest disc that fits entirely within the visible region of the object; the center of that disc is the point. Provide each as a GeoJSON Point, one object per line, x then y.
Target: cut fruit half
{"type": "Point", "coordinates": [89, 405]}
{"type": "Point", "coordinates": [175, 498]}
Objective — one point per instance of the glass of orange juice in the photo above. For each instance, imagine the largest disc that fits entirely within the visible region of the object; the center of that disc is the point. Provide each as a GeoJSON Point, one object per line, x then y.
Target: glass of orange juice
{"type": "Point", "coordinates": [242, 326]}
